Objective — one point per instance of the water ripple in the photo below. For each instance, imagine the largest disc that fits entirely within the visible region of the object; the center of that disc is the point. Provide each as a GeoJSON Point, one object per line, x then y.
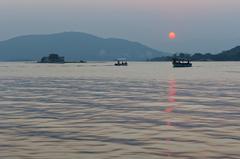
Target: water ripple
{"type": "Point", "coordinates": [95, 118]}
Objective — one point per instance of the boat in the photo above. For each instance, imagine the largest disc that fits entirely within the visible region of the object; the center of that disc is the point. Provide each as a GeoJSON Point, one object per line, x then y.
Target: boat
{"type": "Point", "coordinates": [121, 62]}
{"type": "Point", "coordinates": [181, 62]}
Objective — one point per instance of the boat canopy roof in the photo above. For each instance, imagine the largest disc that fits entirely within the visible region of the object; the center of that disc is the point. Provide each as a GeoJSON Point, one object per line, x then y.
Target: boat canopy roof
{"type": "Point", "coordinates": [121, 59]}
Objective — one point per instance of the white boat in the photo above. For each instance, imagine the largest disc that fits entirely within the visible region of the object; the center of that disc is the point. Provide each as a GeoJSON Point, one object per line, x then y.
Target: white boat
{"type": "Point", "coordinates": [121, 62]}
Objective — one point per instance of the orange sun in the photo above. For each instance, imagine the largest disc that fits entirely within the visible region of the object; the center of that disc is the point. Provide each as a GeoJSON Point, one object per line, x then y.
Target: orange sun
{"type": "Point", "coordinates": [172, 35]}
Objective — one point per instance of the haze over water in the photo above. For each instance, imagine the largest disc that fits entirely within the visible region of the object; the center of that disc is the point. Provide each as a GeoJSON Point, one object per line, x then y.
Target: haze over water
{"type": "Point", "coordinates": [96, 110]}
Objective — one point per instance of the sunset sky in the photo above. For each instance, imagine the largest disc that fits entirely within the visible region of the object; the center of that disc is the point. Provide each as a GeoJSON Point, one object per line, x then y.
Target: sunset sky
{"type": "Point", "coordinates": [200, 26]}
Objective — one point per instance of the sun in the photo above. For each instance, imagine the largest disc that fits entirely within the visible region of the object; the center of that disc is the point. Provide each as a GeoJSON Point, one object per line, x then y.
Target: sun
{"type": "Point", "coordinates": [172, 35]}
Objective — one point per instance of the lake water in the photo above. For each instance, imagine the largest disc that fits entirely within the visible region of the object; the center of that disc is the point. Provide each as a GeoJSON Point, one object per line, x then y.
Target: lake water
{"type": "Point", "coordinates": [99, 111]}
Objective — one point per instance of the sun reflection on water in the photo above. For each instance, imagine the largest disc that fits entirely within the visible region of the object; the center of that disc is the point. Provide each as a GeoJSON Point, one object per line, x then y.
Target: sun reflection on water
{"type": "Point", "coordinates": [171, 95]}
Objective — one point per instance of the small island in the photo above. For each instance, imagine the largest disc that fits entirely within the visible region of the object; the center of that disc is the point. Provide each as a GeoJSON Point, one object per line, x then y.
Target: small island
{"type": "Point", "coordinates": [52, 58]}
{"type": "Point", "coordinates": [55, 58]}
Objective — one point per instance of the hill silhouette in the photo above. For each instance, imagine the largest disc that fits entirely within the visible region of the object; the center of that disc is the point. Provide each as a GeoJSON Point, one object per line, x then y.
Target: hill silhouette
{"type": "Point", "coordinates": [74, 46]}
{"type": "Point", "coordinates": [229, 55]}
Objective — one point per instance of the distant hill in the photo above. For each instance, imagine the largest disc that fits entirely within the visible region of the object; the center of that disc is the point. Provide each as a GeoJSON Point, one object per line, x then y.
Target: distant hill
{"type": "Point", "coordinates": [229, 55]}
{"type": "Point", "coordinates": [74, 46]}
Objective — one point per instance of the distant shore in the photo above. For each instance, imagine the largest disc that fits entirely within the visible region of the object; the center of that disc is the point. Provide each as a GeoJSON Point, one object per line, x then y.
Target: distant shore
{"type": "Point", "coordinates": [229, 55]}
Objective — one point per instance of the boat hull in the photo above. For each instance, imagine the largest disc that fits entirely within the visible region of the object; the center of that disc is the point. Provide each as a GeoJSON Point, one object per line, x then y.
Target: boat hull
{"type": "Point", "coordinates": [182, 65]}
{"type": "Point", "coordinates": [121, 64]}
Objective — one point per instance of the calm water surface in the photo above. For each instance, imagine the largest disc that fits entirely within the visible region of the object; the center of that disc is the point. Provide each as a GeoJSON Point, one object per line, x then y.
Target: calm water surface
{"type": "Point", "coordinates": [96, 110]}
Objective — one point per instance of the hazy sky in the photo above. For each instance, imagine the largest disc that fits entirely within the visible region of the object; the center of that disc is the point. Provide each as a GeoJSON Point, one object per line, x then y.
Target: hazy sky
{"type": "Point", "coordinates": [200, 25]}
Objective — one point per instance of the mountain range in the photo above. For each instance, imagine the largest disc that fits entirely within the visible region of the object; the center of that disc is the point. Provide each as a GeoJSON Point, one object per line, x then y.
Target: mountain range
{"type": "Point", "coordinates": [74, 46]}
